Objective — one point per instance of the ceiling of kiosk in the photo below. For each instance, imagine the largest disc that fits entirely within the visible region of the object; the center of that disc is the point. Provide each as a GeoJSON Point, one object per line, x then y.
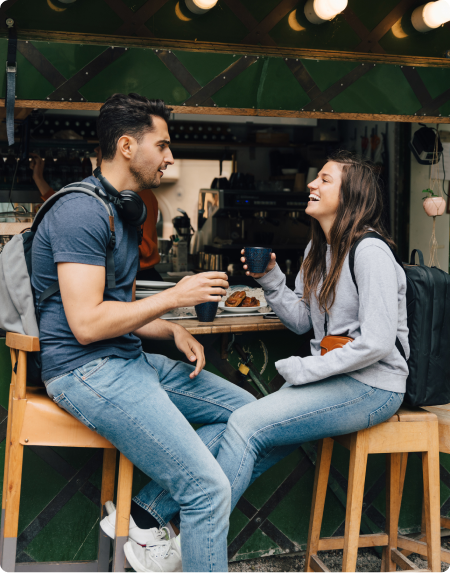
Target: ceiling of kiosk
{"type": "Point", "coordinates": [379, 27]}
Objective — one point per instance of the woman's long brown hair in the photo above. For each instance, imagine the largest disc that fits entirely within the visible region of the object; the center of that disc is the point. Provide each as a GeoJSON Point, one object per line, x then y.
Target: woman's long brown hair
{"type": "Point", "coordinates": [360, 209]}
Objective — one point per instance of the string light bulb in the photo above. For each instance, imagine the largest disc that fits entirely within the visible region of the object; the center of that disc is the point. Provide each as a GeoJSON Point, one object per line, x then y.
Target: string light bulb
{"type": "Point", "coordinates": [431, 15]}
{"type": "Point", "coordinates": [320, 11]}
{"type": "Point", "coordinates": [200, 6]}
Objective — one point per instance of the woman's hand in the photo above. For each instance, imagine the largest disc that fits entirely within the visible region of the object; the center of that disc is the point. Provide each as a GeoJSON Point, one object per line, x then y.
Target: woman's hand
{"type": "Point", "coordinates": [271, 265]}
{"type": "Point", "coordinates": [37, 166]}
{"type": "Point", "coordinates": [191, 348]}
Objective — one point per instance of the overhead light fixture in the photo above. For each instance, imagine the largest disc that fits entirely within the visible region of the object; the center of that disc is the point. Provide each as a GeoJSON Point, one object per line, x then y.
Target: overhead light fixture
{"type": "Point", "coordinates": [431, 15]}
{"type": "Point", "coordinates": [320, 11]}
{"type": "Point", "coordinates": [200, 6]}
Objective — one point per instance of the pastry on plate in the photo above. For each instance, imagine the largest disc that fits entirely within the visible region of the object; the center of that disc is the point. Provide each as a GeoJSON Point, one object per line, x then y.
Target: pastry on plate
{"type": "Point", "coordinates": [236, 298]}
{"type": "Point", "coordinates": [248, 302]}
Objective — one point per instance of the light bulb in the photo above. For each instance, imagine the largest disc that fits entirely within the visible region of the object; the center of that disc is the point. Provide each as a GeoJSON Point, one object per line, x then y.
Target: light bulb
{"type": "Point", "coordinates": [431, 15]}
{"type": "Point", "coordinates": [320, 11]}
{"type": "Point", "coordinates": [200, 6]}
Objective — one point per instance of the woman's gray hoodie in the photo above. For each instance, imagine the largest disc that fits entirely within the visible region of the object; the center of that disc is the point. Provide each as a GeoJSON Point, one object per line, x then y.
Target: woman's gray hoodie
{"type": "Point", "coordinates": [373, 317]}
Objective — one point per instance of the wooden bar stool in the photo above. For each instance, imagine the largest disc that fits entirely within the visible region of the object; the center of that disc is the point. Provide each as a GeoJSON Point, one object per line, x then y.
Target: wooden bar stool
{"type": "Point", "coordinates": [407, 431]}
{"type": "Point", "coordinates": [35, 420]}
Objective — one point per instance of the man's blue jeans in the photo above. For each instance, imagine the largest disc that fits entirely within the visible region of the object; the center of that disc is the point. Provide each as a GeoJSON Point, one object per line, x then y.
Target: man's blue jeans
{"type": "Point", "coordinates": [144, 407]}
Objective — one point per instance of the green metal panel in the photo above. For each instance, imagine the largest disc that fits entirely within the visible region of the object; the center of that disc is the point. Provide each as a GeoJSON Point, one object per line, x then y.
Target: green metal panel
{"type": "Point", "coordinates": [204, 67]}
{"type": "Point", "coordinates": [29, 77]}
{"type": "Point", "coordinates": [289, 94]}
{"type": "Point", "coordinates": [138, 70]}
{"type": "Point", "coordinates": [326, 73]}
{"type": "Point", "coordinates": [384, 89]}
{"type": "Point", "coordinates": [243, 90]}
{"type": "Point", "coordinates": [269, 83]}
{"type": "Point", "coordinates": [68, 59]}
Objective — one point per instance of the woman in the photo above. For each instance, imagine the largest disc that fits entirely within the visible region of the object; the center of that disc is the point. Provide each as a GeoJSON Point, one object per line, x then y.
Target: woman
{"type": "Point", "coordinates": [349, 388]}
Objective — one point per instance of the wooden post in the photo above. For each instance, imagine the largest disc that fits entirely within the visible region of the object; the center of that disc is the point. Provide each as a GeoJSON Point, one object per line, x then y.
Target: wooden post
{"type": "Point", "coordinates": [324, 457]}
{"type": "Point", "coordinates": [123, 505]}
{"type": "Point", "coordinates": [356, 484]}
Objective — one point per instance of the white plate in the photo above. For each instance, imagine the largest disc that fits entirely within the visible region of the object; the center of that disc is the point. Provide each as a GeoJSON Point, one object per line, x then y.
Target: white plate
{"type": "Point", "coordinates": [239, 309]}
{"type": "Point", "coordinates": [157, 285]}
{"type": "Point", "coordinates": [145, 293]}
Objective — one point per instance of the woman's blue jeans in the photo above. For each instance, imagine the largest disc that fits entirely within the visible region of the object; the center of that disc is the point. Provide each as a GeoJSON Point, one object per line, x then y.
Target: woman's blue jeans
{"type": "Point", "coordinates": [263, 432]}
{"type": "Point", "coordinates": [144, 407]}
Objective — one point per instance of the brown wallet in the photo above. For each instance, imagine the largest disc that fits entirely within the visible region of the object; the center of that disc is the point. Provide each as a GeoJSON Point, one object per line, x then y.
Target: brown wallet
{"type": "Point", "coordinates": [329, 343]}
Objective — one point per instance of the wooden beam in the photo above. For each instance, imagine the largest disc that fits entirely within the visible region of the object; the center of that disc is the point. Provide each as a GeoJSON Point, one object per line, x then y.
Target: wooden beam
{"type": "Point", "coordinates": [39, 104]}
{"type": "Point", "coordinates": [367, 540]}
{"type": "Point", "coordinates": [238, 49]}
{"type": "Point", "coordinates": [317, 565]}
{"type": "Point", "coordinates": [402, 561]}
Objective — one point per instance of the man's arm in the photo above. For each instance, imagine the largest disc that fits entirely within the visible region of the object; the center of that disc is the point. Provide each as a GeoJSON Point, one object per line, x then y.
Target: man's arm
{"type": "Point", "coordinates": [91, 318]}
{"type": "Point", "coordinates": [37, 166]}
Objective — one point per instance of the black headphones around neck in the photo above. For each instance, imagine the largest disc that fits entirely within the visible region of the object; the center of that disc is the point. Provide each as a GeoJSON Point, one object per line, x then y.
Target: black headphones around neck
{"type": "Point", "coordinates": [128, 203]}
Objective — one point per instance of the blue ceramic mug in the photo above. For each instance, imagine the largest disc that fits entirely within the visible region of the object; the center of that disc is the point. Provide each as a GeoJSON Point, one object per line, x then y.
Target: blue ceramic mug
{"type": "Point", "coordinates": [257, 258]}
{"type": "Point", "coordinates": [206, 311]}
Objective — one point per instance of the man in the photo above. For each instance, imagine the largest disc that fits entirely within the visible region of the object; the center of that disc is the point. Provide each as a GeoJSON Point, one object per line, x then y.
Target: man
{"type": "Point", "coordinates": [92, 361]}
{"type": "Point", "coordinates": [148, 249]}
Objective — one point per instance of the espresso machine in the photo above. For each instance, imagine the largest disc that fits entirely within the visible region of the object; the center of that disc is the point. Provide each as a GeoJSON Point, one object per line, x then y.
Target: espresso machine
{"type": "Point", "coordinates": [233, 219]}
{"type": "Point", "coordinates": [182, 226]}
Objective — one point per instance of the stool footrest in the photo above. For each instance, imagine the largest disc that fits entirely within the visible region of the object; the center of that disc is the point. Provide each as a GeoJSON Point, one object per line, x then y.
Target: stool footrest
{"type": "Point", "coordinates": [369, 540]}
{"type": "Point", "coordinates": [410, 545]}
{"type": "Point", "coordinates": [317, 565]}
{"type": "Point", "coordinates": [402, 561]}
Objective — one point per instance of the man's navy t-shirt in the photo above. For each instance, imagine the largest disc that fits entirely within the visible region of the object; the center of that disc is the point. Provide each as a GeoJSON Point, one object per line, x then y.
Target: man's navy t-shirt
{"type": "Point", "coordinates": [76, 230]}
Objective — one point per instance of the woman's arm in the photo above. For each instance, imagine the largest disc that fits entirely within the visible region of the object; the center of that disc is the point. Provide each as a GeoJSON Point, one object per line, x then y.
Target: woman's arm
{"type": "Point", "coordinates": [292, 311]}
{"type": "Point", "coordinates": [378, 318]}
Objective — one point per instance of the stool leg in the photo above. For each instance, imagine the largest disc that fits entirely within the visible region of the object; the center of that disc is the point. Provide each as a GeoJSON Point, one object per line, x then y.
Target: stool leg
{"type": "Point", "coordinates": [106, 494]}
{"type": "Point", "coordinates": [393, 495]}
{"type": "Point", "coordinates": [123, 505]}
{"type": "Point", "coordinates": [402, 477]}
{"type": "Point", "coordinates": [431, 484]}
{"type": "Point", "coordinates": [356, 484]}
{"type": "Point", "coordinates": [5, 473]}
{"type": "Point", "coordinates": [14, 483]}
{"type": "Point", "coordinates": [322, 469]}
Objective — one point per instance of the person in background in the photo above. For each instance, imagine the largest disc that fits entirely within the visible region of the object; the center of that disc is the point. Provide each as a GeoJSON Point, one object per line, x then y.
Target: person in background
{"type": "Point", "coordinates": [148, 249]}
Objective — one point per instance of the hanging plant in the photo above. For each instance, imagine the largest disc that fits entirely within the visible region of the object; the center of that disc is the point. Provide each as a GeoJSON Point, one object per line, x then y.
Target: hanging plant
{"type": "Point", "coordinates": [433, 204]}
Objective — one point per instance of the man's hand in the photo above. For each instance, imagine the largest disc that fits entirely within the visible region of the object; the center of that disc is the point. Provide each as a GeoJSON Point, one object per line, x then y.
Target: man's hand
{"type": "Point", "coordinates": [191, 348]}
{"type": "Point", "coordinates": [204, 287]}
{"type": "Point", "coordinates": [271, 265]}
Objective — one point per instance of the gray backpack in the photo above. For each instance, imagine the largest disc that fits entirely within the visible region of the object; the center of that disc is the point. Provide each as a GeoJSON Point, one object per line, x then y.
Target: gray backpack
{"type": "Point", "coordinates": [18, 311]}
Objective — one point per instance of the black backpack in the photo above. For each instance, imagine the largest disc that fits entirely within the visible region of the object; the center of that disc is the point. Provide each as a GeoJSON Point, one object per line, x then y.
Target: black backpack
{"type": "Point", "coordinates": [428, 323]}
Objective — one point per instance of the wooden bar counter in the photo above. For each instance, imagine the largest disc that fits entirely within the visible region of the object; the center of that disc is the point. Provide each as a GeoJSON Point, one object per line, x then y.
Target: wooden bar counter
{"type": "Point", "coordinates": [232, 325]}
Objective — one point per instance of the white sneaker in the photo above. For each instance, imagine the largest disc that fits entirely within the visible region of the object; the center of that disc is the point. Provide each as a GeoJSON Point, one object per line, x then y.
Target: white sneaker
{"type": "Point", "coordinates": [162, 556]}
{"type": "Point", "coordinates": [142, 536]}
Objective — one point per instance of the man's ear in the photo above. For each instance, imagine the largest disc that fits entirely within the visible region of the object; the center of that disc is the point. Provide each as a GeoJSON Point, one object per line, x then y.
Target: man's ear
{"type": "Point", "coordinates": [125, 146]}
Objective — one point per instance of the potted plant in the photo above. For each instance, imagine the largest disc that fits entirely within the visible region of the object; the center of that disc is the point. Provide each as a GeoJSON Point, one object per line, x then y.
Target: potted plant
{"type": "Point", "coordinates": [433, 204]}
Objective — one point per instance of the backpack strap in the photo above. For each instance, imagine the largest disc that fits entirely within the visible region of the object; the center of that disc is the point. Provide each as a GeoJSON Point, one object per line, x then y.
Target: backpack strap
{"type": "Point", "coordinates": [374, 235]}
{"type": "Point", "coordinates": [93, 191]}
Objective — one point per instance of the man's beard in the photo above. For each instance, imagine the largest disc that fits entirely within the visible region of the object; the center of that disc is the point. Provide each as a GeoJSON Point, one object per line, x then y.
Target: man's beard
{"type": "Point", "coordinates": [143, 177]}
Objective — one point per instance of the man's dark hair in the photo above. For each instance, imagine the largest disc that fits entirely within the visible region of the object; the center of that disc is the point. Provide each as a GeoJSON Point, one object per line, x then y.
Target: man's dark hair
{"type": "Point", "coordinates": [130, 114]}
